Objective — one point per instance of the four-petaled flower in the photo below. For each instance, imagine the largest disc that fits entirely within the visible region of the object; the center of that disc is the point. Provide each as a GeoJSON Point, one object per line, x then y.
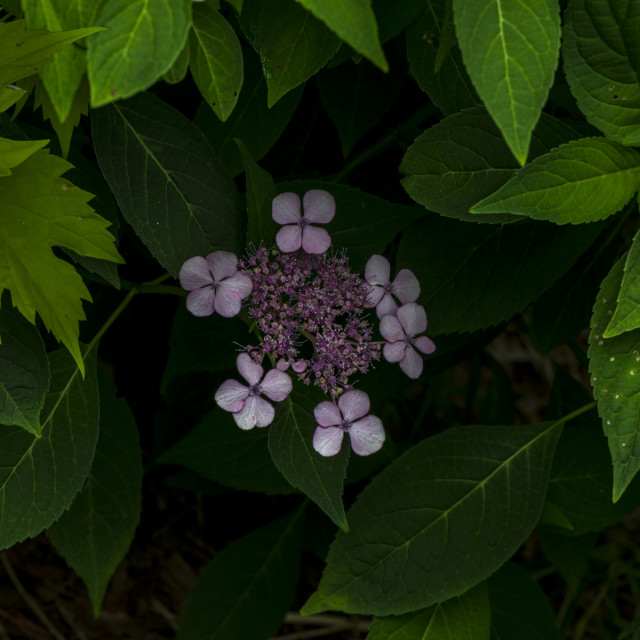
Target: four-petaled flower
{"type": "Point", "coordinates": [248, 407]}
{"type": "Point", "coordinates": [215, 284]}
{"type": "Point", "coordinates": [350, 414]}
{"type": "Point", "coordinates": [400, 332]}
{"type": "Point", "coordinates": [405, 287]}
{"type": "Point", "coordinates": [319, 207]}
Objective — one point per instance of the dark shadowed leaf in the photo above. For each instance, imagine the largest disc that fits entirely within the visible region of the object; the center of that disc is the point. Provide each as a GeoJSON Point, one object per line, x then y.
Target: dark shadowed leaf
{"type": "Point", "coordinates": [627, 314]}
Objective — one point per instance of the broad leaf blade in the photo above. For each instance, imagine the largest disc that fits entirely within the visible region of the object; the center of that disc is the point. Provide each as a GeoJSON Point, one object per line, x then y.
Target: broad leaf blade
{"type": "Point", "coordinates": [627, 314]}
{"type": "Point", "coordinates": [486, 485]}
{"type": "Point", "coordinates": [14, 152]}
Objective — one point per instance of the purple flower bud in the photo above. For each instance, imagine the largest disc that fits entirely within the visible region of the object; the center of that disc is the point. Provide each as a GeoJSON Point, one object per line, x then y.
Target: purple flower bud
{"type": "Point", "coordinates": [405, 287]}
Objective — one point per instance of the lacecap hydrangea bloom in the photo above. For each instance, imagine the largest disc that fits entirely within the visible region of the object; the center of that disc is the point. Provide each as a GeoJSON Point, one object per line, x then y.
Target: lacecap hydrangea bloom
{"type": "Point", "coordinates": [314, 319]}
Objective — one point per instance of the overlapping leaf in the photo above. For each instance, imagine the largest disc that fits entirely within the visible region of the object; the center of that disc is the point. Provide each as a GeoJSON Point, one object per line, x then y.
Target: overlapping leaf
{"type": "Point", "coordinates": [13, 152]}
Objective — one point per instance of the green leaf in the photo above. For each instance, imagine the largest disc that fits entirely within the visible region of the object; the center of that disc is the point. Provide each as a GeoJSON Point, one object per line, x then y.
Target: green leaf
{"type": "Point", "coordinates": [290, 445]}
{"type": "Point", "coordinates": [291, 43]}
{"type": "Point", "coordinates": [582, 181]}
{"type": "Point", "coordinates": [464, 617]}
{"type": "Point", "coordinates": [168, 182]}
{"type": "Point", "coordinates": [627, 314]}
{"type": "Point", "coordinates": [22, 51]}
{"type": "Point", "coordinates": [178, 71]}
{"type": "Point", "coordinates": [24, 372]}
{"type": "Point", "coordinates": [511, 53]}
{"type": "Point", "coordinates": [471, 266]}
{"type": "Point", "coordinates": [601, 53]}
{"type": "Point", "coordinates": [614, 364]}
{"type": "Point", "coordinates": [354, 22]}
{"type": "Point", "coordinates": [393, 16]}
{"type": "Point", "coordinates": [218, 450]}
{"type": "Point", "coordinates": [94, 535]}
{"type": "Point", "coordinates": [13, 152]}
{"type": "Point", "coordinates": [9, 96]}
{"type": "Point", "coordinates": [519, 607]}
{"type": "Point", "coordinates": [468, 492]}
{"type": "Point", "coordinates": [216, 60]}
{"type": "Point", "coordinates": [235, 598]}
{"type": "Point", "coordinates": [41, 476]}
{"type": "Point", "coordinates": [142, 41]}
{"type": "Point", "coordinates": [41, 210]}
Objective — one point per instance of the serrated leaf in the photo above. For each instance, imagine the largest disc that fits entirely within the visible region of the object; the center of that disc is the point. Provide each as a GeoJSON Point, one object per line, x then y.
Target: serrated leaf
{"type": "Point", "coordinates": [291, 43]}
{"type": "Point", "coordinates": [626, 317]}
{"type": "Point", "coordinates": [142, 41]}
{"type": "Point", "coordinates": [511, 53]}
{"type": "Point", "coordinates": [235, 597]}
{"type": "Point", "coordinates": [465, 617]}
{"type": "Point", "coordinates": [13, 152]}
{"type": "Point", "coordinates": [215, 60]}
{"type": "Point", "coordinates": [24, 372]}
{"type": "Point", "coordinates": [468, 492]}
{"type": "Point", "coordinates": [601, 53]}
{"type": "Point", "coordinates": [41, 210]}
{"type": "Point", "coordinates": [9, 96]}
{"type": "Point", "coordinates": [94, 535]}
{"type": "Point", "coordinates": [169, 184]}
{"type": "Point", "coordinates": [290, 446]}
{"type": "Point", "coordinates": [614, 365]}
{"type": "Point", "coordinates": [581, 181]}
{"type": "Point", "coordinates": [41, 476]}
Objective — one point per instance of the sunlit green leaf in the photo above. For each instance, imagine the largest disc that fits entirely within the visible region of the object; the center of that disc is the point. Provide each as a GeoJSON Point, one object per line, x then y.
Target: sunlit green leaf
{"type": "Point", "coordinates": [13, 152]}
{"type": "Point", "coordinates": [627, 314]}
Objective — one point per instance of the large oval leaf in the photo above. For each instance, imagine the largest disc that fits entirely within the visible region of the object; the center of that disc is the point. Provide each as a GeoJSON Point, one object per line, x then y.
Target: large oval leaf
{"type": "Point", "coordinates": [627, 314]}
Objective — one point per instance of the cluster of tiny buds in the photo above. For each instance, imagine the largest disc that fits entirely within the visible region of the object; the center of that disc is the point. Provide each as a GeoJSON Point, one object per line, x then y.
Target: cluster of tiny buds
{"type": "Point", "coordinates": [311, 312]}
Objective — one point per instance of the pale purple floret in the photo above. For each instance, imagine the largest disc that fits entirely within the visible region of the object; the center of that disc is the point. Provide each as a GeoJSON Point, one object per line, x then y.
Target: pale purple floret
{"type": "Point", "coordinates": [350, 414]}
{"type": "Point", "coordinates": [215, 284]}
{"type": "Point", "coordinates": [248, 407]}
{"type": "Point", "coordinates": [319, 208]}
{"type": "Point", "coordinates": [400, 332]}
{"type": "Point", "coordinates": [405, 287]}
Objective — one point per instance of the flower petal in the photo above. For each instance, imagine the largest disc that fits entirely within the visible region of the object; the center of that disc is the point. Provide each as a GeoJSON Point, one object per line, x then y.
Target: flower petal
{"type": "Point", "coordinates": [412, 363]}
{"type": "Point", "coordinates": [394, 351]}
{"type": "Point", "coordinates": [424, 344]}
{"type": "Point", "coordinates": [319, 206]}
{"type": "Point", "coordinates": [257, 412]}
{"type": "Point", "coordinates": [276, 385]}
{"type": "Point", "coordinates": [387, 306]}
{"type": "Point", "coordinates": [315, 240]}
{"type": "Point", "coordinates": [377, 270]}
{"type": "Point", "coordinates": [299, 366]}
{"type": "Point", "coordinates": [354, 404]}
{"type": "Point", "coordinates": [374, 296]}
{"type": "Point", "coordinates": [406, 286]}
{"type": "Point", "coordinates": [227, 302]}
{"type": "Point", "coordinates": [195, 273]}
{"type": "Point", "coordinates": [328, 440]}
{"type": "Point", "coordinates": [367, 435]}
{"type": "Point", "coordinates": [391, 329]}
{"type": "Point", "coordinates": [239, 283]}
{"type": "Point", "coordinates": [249, 369]}
{"type": "Point", "coordinates": [327, 414]}
{"type": "Point", "coordinates": [282, 364]}
{"type": "Point", "coordinates": [231, 395]}
{"type": "Point", "coordinates": [289, 238]}
{"type": "Point", "coordinates": [223, 264]}
{"type": "Point", "coordinates": [413, 318]}
{"type": "Point", "coordinates": [200, 302]}
{"type": "Point", "coordinates": [285, 208]}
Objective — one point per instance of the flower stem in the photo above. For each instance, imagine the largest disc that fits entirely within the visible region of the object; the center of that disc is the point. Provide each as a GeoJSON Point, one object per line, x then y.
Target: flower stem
{"type": "Point", "coordinates": [112, 318]}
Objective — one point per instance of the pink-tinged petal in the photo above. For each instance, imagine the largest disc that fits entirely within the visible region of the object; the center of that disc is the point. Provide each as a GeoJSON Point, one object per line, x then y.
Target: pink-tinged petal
{"type": "Point", "coordinates": [327, 414]}
{"type": "Point", "coordinates": [257, 412]}
{"type": "Point", "coordinates": [354, 404]}
{"type": "Point", "coordinates": [249, 369]}
{"type": "Point", "coordinates": [424, 344]}
{"type": "Point", "coordinates": [227, 303]}
{"type": "Point", "coordinates": [367, 435]}
{"type": "Point", "coordinates": [413, 318]}
{"type": "Point", "coordinates": [377, 270]}
{"type": "Point", "coordinates": [282, 364]}
{"type": "Point", "coordinates": [289, 238]}
{"type": "Point", "coordinates": [328, 440]}
{"type": "Point", "coordinates": [412, 363]}
{"type": "Point", "coordinates": [195, 273]}
{"type": "Point", "coordinates": [285, 208]}
{"type": "Point", "coordinates": [387, 306]}
{"type": "Point", "coordinates": [222, 264]}
{"type": "Point", "coordinates": [319, 206]}
{"type": "Point", "coordinates": [299, 366]}
{"type": "Point", "coordinates": [239, 283]}
{"type": "Point", "coordinates": [276, 385]}
{"type": "Point", "coordinates": [374, 296]}
{"type": "Point", "coordinates": [201, 302]}
{"type": "Point", "coordinates": [394, 351]}
{"type": "Point", "coordinates": [315, 240]}
{"type": "Point", "coordinates": [391, 329]}
{"type": "Point", "coordinates": [231, 395]}
{"type": "Point", "coordinates": [406, 286]}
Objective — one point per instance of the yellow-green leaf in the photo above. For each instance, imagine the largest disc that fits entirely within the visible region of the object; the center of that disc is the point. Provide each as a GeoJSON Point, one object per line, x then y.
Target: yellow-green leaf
{"type": "Point", "coordinates": [13, 152]}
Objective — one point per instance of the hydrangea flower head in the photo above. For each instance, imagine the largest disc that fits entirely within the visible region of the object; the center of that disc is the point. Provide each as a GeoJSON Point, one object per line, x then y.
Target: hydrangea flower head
{"type": "Point", "coordinates": [400, 332]}
{"type": "Point", "coordinates": [248, 406]}
{"type": "Point", "coordinates": [319, 208]}
{"type": "Point", "coordinates": [405, 287]}
{"type": "Point", "coordinates": [349, 415]}
{"type": "Point", "coordinates": [214, 284]}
